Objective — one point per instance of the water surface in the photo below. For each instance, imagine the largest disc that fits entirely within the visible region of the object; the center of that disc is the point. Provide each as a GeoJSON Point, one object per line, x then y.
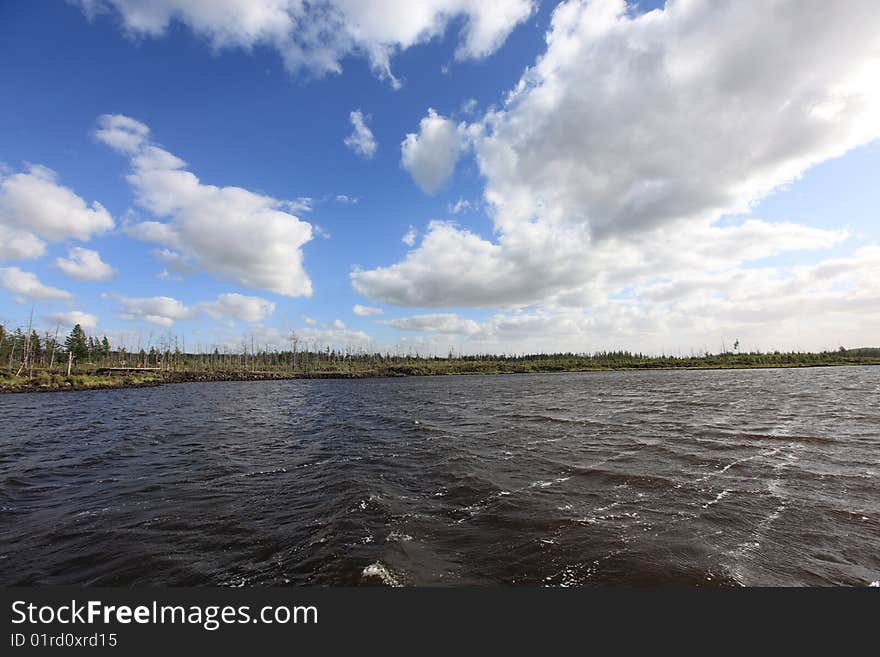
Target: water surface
{"type": "Point", "coordinates": [738, 477]}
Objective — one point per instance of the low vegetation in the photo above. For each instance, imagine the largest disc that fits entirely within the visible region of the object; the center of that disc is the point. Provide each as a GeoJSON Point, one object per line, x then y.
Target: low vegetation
{"type": "Point", "coordinates": [32, 362]}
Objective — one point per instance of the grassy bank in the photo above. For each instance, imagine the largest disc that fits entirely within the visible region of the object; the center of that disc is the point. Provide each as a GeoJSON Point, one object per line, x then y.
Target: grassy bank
{"type": "Point", "coordinates": [50, 382]}
{"type": "Point", "coordinates": [91, 377]}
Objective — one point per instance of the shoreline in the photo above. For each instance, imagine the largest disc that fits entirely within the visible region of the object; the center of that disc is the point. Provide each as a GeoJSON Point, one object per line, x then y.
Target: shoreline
{"type": "Point", "coordinates": [110, 382]}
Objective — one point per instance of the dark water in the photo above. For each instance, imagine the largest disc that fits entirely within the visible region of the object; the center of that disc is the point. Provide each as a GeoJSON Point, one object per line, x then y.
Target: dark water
{"type": "Point", "coordinates": [763, 477]}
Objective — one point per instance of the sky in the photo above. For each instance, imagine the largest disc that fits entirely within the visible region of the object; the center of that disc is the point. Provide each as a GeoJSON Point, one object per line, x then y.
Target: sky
{"type": "Point", "coordinates": [480, 176]}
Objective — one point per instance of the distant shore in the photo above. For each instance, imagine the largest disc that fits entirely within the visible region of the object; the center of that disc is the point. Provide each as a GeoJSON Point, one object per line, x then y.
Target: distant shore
{"type": "Point", "coordinates": [46, 382]}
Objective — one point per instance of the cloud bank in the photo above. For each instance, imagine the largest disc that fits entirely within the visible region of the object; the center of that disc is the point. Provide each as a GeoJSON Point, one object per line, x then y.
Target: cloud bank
{"type": "Point", "coordinates": [611, 161]}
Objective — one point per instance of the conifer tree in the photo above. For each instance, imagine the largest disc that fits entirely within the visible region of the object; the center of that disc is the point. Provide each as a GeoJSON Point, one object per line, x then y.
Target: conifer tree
{"type": "Point", "coordinates": [77, 344]}
{"type": "Point", "coordinates": [36, 347]}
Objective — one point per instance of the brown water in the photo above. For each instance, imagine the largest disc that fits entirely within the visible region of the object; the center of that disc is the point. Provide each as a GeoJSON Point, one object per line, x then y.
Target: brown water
{"type": "Point", "coordinates": [759, 477]}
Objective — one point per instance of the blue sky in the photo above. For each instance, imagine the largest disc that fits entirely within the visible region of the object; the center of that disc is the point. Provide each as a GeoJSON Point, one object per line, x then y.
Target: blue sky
{"type": "Point", "coordinates": [594, 218]}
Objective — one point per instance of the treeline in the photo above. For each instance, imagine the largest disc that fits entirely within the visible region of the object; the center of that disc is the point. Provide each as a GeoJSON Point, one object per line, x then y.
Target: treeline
{"type": "Point", "coordinates": [22, 351]}
{"type": "Point", "coordinates": [25, 353]}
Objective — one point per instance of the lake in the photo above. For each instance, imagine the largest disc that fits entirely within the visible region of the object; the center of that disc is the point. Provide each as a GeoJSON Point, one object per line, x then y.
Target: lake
{"type": "Point", "coordinates": [705, 478]}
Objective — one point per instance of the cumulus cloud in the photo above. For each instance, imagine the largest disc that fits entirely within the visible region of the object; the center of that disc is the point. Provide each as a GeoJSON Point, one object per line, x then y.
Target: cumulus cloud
{"type": "Point", "coordinates": [361, 139]}
{"type": "Point", "coordinates": [611, 161]}
{"type": "Point", "coordinates": [26, 284]}
{"type": "Point", "coordinates": [227, 308]}
{"type": "Point", "coordinates": [19, 244]}
{"type": "Point", "coordinates": [72, 318]}
{"type": "Point", "coordinates": [85, 265]}
{"type": "Point", "coordinates": [430, 155]}
{"type": "Point", "coordinates": [238, 307]}
{"type": "Point", "coordinates": [628, 122]}
{"type": "Point", "coordinates": [449, 323]}
{"type": "Point", "coordinates": [231, 232]}
{"type": "Point", "coordinates": [317, 36]}
{"type": "Point", "coordinates": [365, 311]}
{"type": "Point", "coordinates": [123, 133]}
{"type": "Point", "coordinates": [453, 266]}
{"type": "Point", "coordinates": [35, 208]}
{"type": "Point", "coordinates": [163, 311]}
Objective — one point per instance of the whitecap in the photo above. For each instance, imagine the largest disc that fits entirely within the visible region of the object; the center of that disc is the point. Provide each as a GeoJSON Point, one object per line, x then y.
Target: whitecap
{"type": "Point", "coordinates": [378, 570]}
{"type": "Point", "coordinates": [717, 499]}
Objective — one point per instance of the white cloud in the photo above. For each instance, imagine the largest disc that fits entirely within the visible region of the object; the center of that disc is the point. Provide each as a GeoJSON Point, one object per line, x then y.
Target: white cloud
{"type": "Point", "coordinates": [812, 307]}
{"type": "Point", "coordinates": [34, 208]}
{"type": "Point", "coordinates": [455, 267]}
{"type": "Point", "coordinates": [469, 107]}
{"type": "Point", "coordinates": [26, 284]}
{"type": "Point", "coordinates": [270, 337]}
{"type": "Point", "coordinates": [175, 261]}
{"type": "Point", "coordinates": [85, 265]}
{"type": "Point", "coordinates": [34, 201]}
{"type": "Point", "coordinates": [461, 205]}
{"type": "Point", "coordinates": [804, 307]}
{"type": "Point", "coordinates": [163, 311]}
{"type": "Point", "coordinates": [72, 318]}
{"type": "Point", "coordinates": [238, 307]}
{"type": "Point", "coordinates": [233, 233]}
{"type": "Point", "coordinates": [361, 139]}
{"type": "Point", "coordinates": [19, 244]}
{"type": "Point", "coordinates": [318, 35]}
{"type": "Point", "coordinates": [409, 237]}
{"type": "Point", "coordinates": [334, 334]}
{"type": "Point", "coordinates": [430, 155]}
{"type": "Point", "coordinates": [490, 23]}
{"type": "Point", "coordinates": [365, 311]}
{"type": "Point", "coordinates": [629, 122]}
{"type": "Point", "coordinates": [610, 163]}
{"type": "Point", "coordinates": [122, 133]}
{"type": "Point", "coordinates": [227, 308]}
{"type": "Point", "coordinates": [449, 323]}
{"type": "Point", "coordinates": [300, 205]}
